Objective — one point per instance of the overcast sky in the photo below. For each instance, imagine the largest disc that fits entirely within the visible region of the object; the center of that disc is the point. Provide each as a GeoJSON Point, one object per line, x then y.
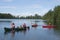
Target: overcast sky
{"type": "Point", "coordinates": [27, 7]}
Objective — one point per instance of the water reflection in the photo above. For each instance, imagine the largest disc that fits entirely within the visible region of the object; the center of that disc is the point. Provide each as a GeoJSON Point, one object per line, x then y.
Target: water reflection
{"type": "Point", "coordinates": [34, 33]}
{"type": "Point", "coordinates": [13, 35]}
{"type": "Point", "coordinates": [24, 32]}
{"type": "Point", "coordinates": [35, 27]}
{"type": "Point", "coordinates": [13, 32]}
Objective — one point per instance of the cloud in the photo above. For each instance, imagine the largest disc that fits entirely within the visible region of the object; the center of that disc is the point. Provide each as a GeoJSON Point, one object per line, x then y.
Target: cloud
{"type": "Point", "coordinates": [7, 0]}
{"type": "Point", "coordinates": [57, 0]}
{"type": "Point", "coordinates": [33, 9]}
{"type": "Point", "coordinates": [35, 6]}
{"type": "Point", "coordinates": [7, 7]}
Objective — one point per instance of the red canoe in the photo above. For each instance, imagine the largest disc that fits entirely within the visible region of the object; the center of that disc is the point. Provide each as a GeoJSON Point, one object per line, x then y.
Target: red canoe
{"type": "Point", "coordinates": [49, 26]}
{"type": "Point", "coordinates": [34, 25]}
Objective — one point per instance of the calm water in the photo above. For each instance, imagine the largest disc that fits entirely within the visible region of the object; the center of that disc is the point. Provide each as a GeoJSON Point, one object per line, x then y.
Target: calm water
{"type": "Point", "coordinates": [37, 33]}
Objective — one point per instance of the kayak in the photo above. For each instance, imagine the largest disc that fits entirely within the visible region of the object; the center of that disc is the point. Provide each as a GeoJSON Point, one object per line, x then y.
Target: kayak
{"type": "Point", "coordinates": [15, 29]}
{"type": "Point", "coordinates": [49, 26]}
{"type": "Point", "coordinates": [34, 25]}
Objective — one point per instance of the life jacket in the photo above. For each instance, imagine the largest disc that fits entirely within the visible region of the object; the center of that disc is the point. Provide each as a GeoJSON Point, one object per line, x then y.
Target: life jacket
{"type": "Point", "coordinates": [13, 25]}
{"type": "Point", "coordinates": [24, 25]}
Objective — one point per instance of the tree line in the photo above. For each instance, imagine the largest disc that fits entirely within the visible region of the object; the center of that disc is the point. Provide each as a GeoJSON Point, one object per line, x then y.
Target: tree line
{"type": "Point", "coordinates": [6, 15]}
{"type": "Point", "coordinates": [9, 16]}
{"type": "Point", "coordinates": [36, 16]}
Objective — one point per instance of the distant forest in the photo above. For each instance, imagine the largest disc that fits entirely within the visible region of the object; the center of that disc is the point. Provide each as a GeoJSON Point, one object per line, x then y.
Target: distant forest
{"type": "Point", "coordinates": [9, 16]}
{"type": "Point", "coordinates": [6, 16]}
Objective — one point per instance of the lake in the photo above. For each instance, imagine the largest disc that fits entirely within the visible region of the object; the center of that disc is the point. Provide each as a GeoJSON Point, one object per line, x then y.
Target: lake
{"type": "Point", "coordinates": [34, 33]}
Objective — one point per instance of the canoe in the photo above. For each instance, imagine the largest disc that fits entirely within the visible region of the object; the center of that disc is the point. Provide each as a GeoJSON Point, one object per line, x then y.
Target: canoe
{"type": "Point", "coordinates": [34, 25]}
{"type": "Point", "coordinates": [49, 26]}
{"type": "Point", "coordinates": [15, 29]}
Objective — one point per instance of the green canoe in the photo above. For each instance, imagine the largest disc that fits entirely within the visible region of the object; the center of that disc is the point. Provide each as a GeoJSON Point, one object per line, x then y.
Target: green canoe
{"type": "Point", "coordinates": [15, 29]}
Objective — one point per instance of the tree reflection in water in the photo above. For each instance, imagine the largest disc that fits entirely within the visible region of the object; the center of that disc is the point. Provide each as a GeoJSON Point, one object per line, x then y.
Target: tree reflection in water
{"type": "Point", "coordinates": [13, 32]}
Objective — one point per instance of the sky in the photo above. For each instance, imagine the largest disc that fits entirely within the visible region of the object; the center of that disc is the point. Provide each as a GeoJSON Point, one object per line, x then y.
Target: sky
{"type": "Point", "coordinates": [27, 7]}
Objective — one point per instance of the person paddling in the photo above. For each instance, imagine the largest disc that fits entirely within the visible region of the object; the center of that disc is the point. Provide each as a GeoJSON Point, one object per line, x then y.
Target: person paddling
{"type": "Point", "coordinates": [12, 26]}
{"type": "Point", "coordinates": [24, 25]}
{"type": "Point", "coordinates": [49, 24]}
